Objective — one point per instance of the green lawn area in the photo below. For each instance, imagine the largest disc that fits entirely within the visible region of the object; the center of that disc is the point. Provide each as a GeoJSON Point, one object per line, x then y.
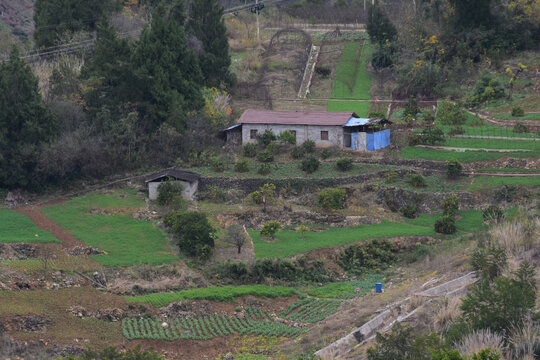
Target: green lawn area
{"type": "Point", "coordinates": [484, 128]}
{"type": "Point", "coordinates": [345, 290]}
{"type": "Point", "coordinates": [360, 108]}
{"type": "Point", "coordinates": [490, 182]}
{"type": "Point", "coordinates": [352, 81]}
{"type": "Point", "coordinates": [17, 228]}
{"type": "Point", "coordinates": [224, 293]}
{"type": "Point", "coordinates": [507, 116]}
{"type": "Point", "coordinates": [289, 242]}
{"type": "Point", "coordinates": [492, 143]}
{"type": "Point", "coordinates": [469, 221]}
{"type": "Point", "coordinates": [412, 152]}
{"type": "Point", "coordinates": [292, 170]}
{"type": "Point", "coordinates": [126, 240]}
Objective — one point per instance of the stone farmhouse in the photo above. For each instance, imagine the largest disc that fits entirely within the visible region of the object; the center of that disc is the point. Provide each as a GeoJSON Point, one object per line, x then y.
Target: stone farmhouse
{"type": "Point", "coordinates": [342, 129]}
{"type": "Point", "coordinates": [188, 179]}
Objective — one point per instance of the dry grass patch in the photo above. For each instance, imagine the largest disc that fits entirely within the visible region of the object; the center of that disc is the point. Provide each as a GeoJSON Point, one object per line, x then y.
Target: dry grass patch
{"type": "Point", "coordinates": [480, 340]}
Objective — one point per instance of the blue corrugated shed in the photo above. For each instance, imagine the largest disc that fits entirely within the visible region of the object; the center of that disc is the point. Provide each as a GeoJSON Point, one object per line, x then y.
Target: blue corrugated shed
{"type": "Point", "coordinates": [378, 140]}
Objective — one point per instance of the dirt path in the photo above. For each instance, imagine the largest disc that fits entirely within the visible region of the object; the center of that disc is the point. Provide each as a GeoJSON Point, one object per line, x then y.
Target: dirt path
{"type": "Point", "coordinates": [43, 222]}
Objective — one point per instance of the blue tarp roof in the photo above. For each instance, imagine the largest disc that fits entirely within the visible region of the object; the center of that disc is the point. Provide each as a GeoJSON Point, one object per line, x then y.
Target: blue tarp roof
{"type": "Point", "coordinates": [232, 127]}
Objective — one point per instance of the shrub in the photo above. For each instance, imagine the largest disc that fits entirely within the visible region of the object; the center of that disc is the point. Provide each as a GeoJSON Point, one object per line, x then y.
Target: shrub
{"type": "Point", "coordinates": [325, 154]}
{"type": "Point", "coordinates": [264, 195]}
{"type": "Point", "coordinates": [250, 150]}
{"type": "Point", "coordinates": [266, 137]}
{"type": "Point", "coordinates": [287, 137]}
{"type": "Point", "coordinates": [417, 180]}
{"type": "Point", "coordinates": [193, 232]}
{"type": "Point", "coordinates": [450, 205]}
{"type": "Point", "coordinates": [505, 193]}
{"type": "Point", "coordinates": [453, 169]}
{"type": "Point", "coordinates": [265, 156]}
{"type": "Point", "coordinates": [270, 228]}
{"type": "Point", "coordinates": [376, 114]}
{"type": "Point", "coordinates": [323, 71]}
{"type": "Point", "coordinates": [241, 166]}
{"type": "Point", "coordinates": [217, 164]}
{"type": "Point", "coordinates": [308, 146]}
{"type": "Point", "coordinates": [390, 177]}
{"type": "Point", "coordinates": [409, 211]}
{"type": "Point", "coordinates": [414, 139]}
{"type": "Point", "coordinates": [492, 212]}
{"type": "Point", "coordinates": [170, 194]}
{"type": "Point", "coordinates": [256, 197]}
{"type": "Point", "coordinates": [344, 164]}
{"type": "Point", "coordinates": [332, 198]}
{"type": "Point", "coordinates": [446, 224]}
{"type": "Point", "coordinates": [215, 193]}
{"type": "Point", "coordinates": [428, 116]}
{"type": "Point", "coordinates": [372, 255]}
{"type": "Point", "coordinates": [489, 263]}
{"type": "Point", "coordinates": [498, 305]}
{"type": "Point", "coordinates": [476, 121]}
{"type": "Point", "coordinates": [518, 111]}
{"type": "Point", "coordinates": [310, 165]}
{"type": "Point", "coordinates": [450, 114]}
{"type": "Point", "coordinates": [411, 108]}
{"type": "Point", "coordinates": [486, 89]}
{"type": "Point", "coordinates": [264, 169]}
{"type": "Point", "coordinates": [520, 128]}
{"type": "Point", "coordinates": [297, 153]}
{"type": "Point", "coordinates": [432, 135]}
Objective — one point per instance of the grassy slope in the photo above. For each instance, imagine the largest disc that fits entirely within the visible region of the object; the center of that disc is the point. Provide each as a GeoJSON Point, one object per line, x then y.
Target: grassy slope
{"type": "Point", "coordinates": [225, 293]}
{"type": "Point", "coordinates": [351, 73]}
{"type": "Point", "coordinates": [127, 241]}
{"type": "Point", "coordinates": [435, 183]}
{"type": "Point", "coordinates": [15, 227]}
{"type": "Point", "coordinates": [490, 182]}
{"type": "Point", "coordinates": [530, 116]}
{"type": "Point", "coordinates": [492, 143]}
{"type": "Point", "coordinates": [289, 242]}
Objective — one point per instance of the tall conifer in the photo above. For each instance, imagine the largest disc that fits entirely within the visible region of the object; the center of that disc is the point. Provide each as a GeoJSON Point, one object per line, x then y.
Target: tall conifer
{"type": "Point", "coordinates": [206, 24]}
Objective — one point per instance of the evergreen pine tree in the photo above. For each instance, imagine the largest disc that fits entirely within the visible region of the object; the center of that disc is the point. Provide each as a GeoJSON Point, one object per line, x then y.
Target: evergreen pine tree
{"type": "Point", "coordinates": [55, 17]}
{"type": "Point", "coordinates": [108, 75]}
{"type": "Point", "coordinates": [25, 123]}
{"type": "Point", "coordinates": [206, 24]}
{"type": "Point", "coordinates": [168, 75]}
{"type": "Point", "coordinates": [379, 26]}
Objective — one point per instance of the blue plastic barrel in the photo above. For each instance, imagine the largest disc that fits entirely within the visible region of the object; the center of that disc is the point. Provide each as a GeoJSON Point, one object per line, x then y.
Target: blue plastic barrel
{"type": "Point", "coordinates": [378, 287]}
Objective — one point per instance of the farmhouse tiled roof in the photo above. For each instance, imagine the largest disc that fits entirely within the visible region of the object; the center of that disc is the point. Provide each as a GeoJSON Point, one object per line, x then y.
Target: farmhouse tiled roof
{"type": "Point", "coordinates": [296, 117]}
{"type": "Point", "coordinates": [177, 174]}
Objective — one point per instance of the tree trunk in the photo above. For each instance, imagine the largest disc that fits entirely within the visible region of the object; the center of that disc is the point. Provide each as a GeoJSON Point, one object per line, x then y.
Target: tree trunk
{"type": "Point", "coordinates": [239, 248]}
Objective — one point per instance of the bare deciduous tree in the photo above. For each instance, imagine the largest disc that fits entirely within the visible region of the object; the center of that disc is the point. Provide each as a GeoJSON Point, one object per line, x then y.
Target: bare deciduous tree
{"type": "Point", "coordinates": [236, 235]}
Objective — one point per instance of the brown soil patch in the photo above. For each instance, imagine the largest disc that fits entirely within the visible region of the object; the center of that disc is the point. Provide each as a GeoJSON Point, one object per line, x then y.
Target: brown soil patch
{"type": "Point", "coordinates": [43, 222]}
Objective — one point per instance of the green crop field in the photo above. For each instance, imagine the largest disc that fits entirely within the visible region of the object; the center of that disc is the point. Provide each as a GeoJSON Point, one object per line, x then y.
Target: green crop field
{"type": "Point", "coordinates": [16, 227]}
{"type": "Point", "coordinates": [310, 310]}
{"type": "Point", "coordinates": [412, 152]}
{"type": "Point", "coordinates": [289, 242]}
{"type": "Point", "coordinates": [530, 116]}
{"type": "Point", "coordinates": [225, 293]}
{"type": "Point", "coordinates": [352, 80]}
{"type": "Point", "coordinates": [492, 143]}
{"type": "Point", "coordinates": [361, 108]}
{"type": "Point", "coordinates": [255, 322]}
{"type": "Point", "coordinates": [104, 221]}
{"type": "Point", "coordinates": [490, 182]}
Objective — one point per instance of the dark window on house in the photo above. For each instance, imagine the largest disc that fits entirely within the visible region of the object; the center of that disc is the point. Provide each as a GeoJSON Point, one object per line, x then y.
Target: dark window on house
{"type": "Point", "coordinates": [324, 135]}
{"type": "Point", "coordinates": [253, 134]}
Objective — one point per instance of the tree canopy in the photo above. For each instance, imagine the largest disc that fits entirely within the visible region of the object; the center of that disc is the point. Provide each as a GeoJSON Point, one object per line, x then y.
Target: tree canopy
{"type": "Point", "coordinates": [25, 123]}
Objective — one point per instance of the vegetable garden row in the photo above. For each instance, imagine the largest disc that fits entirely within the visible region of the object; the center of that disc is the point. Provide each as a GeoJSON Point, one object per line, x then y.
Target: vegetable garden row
{"type": "Point", "coordinates": [255, 322]}
{"type": "Point", "coordinates": [310, 310]}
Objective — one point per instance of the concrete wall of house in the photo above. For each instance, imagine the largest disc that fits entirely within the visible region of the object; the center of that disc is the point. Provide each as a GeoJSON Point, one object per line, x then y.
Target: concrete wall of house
{"type": "Point", "coordinates": [190, 189]}
{"type": "Point", "coordinates": [303, 133]}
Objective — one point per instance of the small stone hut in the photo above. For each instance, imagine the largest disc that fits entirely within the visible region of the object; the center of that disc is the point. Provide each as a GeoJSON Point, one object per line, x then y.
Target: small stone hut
{"type": "Point", "coordinates": [188, 179]}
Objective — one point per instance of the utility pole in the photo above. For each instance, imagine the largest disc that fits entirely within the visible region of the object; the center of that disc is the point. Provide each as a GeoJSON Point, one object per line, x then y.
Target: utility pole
{"type": "Point", "coordinates": [257, 14]}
